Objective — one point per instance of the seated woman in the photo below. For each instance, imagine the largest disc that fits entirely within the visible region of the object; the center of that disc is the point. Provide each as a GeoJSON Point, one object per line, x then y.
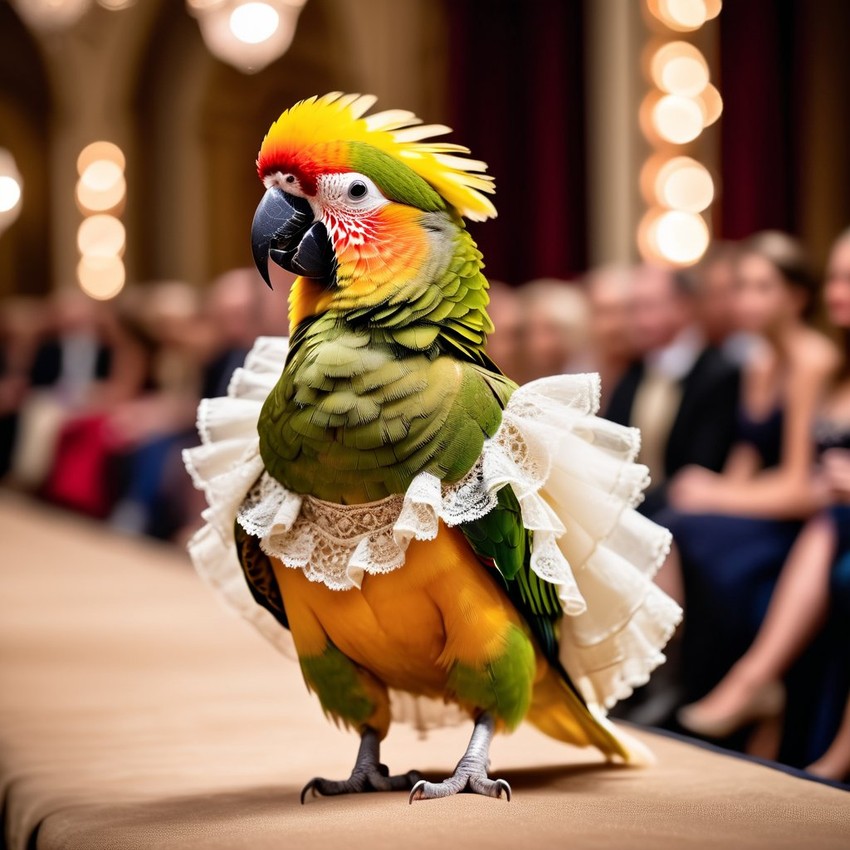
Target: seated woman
{"type": "Point", "coordinates": [734, 530]}
{"type": "Point", "coordinates": [799, 605]}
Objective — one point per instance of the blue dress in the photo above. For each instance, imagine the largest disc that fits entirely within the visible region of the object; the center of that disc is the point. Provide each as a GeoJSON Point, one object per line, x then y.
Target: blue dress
{"type": "Point", "coordinates": [831, 435]}
{"type": "Point", "coordinates": [730, 565]}
{"type": "Point", "coordinates": [819, 682]}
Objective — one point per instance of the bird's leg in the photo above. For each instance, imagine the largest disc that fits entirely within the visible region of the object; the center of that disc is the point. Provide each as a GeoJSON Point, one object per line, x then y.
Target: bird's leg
{"type": "Point", "coordinates": [368, 773]}
{"type": "Point", "coordinates": [471, 772]}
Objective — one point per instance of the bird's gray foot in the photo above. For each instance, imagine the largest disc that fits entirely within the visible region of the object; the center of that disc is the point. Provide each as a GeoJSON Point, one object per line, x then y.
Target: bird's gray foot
{"type": "Point", "coordinates": [471, 772]}
{"type": "Point", "coordinates": [368, 774]}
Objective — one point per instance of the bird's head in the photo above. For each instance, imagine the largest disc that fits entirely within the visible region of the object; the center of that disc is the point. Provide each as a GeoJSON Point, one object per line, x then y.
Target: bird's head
{"type": "Point", "coordinates": [358, 202]}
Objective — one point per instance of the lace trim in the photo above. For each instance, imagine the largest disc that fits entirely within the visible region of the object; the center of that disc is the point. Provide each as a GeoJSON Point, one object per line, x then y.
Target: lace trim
{"type": "Point", "coordinates": [339, 544]}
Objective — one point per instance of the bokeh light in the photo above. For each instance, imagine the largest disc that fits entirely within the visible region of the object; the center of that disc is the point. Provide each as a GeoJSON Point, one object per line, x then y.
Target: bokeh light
{"type": "Point", "coordinates": [101, 278]}
{"type": "Point", "coordinates": [681, 15]}
{"type": "Point", "coordinates": [712, 9]}
{"type": "Point", "coordinates": [91, 199]}
{"type": "Point", "coordinates": [10, 193]}
{"type": "Point", "coordinates": [11, 190]}
{"type": "Point", "coordinates": [677, 119]}
{"type": "Point", "coordinates": [711, 104]}
{"type": "Point", "coordinates": [681, 103]}
{"type": "Point", "coordinates": [247, 35]}
{"type": "Point", "coordinates": [101, 176]}
{"type": "Point", "coordinates": [684, 184]}
{"type": "Point", "coordinates": [101, 236]}
{"type": "Point", "coordinates": [100, 151]}
{"type": "Point", "coordinates": [679, 68]}
{"type": "Point", "coordinates": [102, 185]}
{"type": "Point", "coordinates": [675, 237]}
{"type": "Point", "coordinates": [254, 22]}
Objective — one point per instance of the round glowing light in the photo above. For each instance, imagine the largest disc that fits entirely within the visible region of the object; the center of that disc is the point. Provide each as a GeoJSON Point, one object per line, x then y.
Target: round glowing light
{"type": "Point", "coordinates": [101, 277]}
{"type": "Point", "coordinates": [116, 5]}
{"type": "Point", "coordinates": [684, 184]}
{"type": "Point", "coordinates": [247, 35]}
{"type": "Point", "coordinates": [254, 23]}
{"type": "Point", "coordinates": [682, 15]}
{"type": "Point", "coordinates": [711, 104]}
{"type": "Point", "coordinates": [679, 68]}
{"type": "Point", "coordinates": [677, 119]}
{"type": "Point", "coordinates": [11, 189]}
{"type": "Point", "coordinates": [10, 193]}
{"type": "Point", "coordinates": [102, 175]}
{"type": "Point", "coordinates": [101, 236]}
{"type": "Point", "coordinates": [97, 199]}
{"type": "Point", "coordinates": [712, 8]}
{"type": "Point", "coordinates": [100, 151]}
{"type": "Point", "coordinates": [680, 237]}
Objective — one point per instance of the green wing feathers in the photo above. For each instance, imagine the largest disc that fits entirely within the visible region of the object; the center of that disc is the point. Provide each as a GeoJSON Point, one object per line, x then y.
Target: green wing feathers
{"type": "Point", "coordinates": [503, 544]}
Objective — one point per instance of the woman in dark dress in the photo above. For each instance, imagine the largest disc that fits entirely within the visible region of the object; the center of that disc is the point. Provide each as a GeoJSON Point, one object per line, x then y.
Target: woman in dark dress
{"type": "Point", "coordinates": [734, 530]}
{"type": "Point", "coordinates": [801, 601]}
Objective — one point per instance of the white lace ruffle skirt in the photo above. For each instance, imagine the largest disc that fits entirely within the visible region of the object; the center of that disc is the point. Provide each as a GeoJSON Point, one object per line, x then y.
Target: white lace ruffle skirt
{"type": "Point", "coordinates": [577, 483]}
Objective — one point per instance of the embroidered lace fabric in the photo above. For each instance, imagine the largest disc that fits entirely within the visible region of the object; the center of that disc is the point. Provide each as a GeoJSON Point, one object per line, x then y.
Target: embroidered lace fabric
{"type": "Point", "coordinates": [574, 476]}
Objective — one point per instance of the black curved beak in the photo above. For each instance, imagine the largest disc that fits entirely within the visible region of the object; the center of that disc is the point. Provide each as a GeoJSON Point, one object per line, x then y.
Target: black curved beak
{"type": "Point", "coordinates": [285, 231]}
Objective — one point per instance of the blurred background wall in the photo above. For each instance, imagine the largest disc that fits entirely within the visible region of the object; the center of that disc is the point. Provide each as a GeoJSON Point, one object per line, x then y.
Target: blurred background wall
{"type": "Point", "coordinates": [548, 92]}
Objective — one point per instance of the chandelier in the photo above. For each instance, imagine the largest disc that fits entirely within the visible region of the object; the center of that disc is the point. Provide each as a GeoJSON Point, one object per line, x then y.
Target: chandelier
{"type": "Point", "coordinates": [247, 34]}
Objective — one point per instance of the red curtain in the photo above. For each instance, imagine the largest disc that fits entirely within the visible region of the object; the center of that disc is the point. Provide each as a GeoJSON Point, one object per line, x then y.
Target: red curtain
{"type": "Point", "coordinates": [516, 98]}
{"type": "Point", "coordinates": [760, 69]}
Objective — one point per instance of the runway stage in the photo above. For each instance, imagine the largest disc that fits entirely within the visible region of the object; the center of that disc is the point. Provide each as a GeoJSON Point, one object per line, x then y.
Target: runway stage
{"type": "Point", "coordinates": [136, 712]}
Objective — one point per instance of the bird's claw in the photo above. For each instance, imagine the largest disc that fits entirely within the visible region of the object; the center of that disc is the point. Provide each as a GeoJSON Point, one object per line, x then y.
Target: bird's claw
{"type": "Point", "coordinates": [472, 783]}
{"type": "Point", "coordinates": [362, 783]}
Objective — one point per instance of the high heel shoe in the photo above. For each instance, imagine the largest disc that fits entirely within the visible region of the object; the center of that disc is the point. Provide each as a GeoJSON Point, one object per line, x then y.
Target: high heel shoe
{"type": "Point", "coordinates": [768, 701]}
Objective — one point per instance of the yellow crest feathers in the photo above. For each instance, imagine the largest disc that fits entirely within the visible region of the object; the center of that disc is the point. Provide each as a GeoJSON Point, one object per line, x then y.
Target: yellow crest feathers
{"type": "Point", "coordinates": [335, 118]}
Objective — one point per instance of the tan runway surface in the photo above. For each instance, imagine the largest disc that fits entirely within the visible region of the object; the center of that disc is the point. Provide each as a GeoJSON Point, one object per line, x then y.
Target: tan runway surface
{"type": "Point", "coordinates": [136, 712]}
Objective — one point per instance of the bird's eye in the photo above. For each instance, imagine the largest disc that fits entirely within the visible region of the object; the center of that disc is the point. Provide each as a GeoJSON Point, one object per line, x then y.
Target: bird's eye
{"type": "Point", "coordinates": [290, 178]}
{"type": "Point", "coordinates": [357, 190]}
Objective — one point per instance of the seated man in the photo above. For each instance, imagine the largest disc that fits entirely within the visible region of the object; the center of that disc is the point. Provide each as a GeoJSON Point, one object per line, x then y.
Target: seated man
{"type": "Point", "coordinates": [682, 393]}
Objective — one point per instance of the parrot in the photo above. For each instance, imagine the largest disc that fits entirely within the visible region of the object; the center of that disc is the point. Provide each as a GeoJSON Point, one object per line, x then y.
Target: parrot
{"type": "Point", "coordinates": [387, 377]}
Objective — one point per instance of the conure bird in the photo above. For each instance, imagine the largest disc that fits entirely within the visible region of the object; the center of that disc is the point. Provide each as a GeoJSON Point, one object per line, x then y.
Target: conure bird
{"type": "Point", "coordinates": [386, 379]}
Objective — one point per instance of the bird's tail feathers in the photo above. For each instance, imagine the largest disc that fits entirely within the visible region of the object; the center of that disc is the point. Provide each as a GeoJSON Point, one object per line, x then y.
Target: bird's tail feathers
{"type": "Point", "coordinates": [557, 711]}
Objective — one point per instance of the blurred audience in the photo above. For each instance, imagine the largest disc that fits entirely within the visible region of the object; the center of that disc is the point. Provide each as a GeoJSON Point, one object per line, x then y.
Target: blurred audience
{"type": "Point", "coordinates": [235, 314]}
{"type": "Point", "coordinates": [148, 431]}
{"type": "Point", "coordinates": [554, 329]}
{"type": "Point", "coordinates": [89, 357]}
{"type": "Point", "coordinates": [712, 281]}
{"type": "Point", "coordinates": [98, 399]}
{"type": "Point", "coordinates": [20, 325]}
{"type": "Point", "coordinates": [504, 345]}
{"type": "Point", "coordinates": [611, 350]}
{"type": "Point", "coordinates": [682, 392]}
{"type": "Point", "coordinates": [800, 604]}
{"type": "Point", "coordinates": [734, 529]}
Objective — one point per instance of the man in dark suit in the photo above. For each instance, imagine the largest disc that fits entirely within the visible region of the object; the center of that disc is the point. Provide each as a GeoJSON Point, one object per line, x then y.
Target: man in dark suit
{"type": "Point", "coordinates": [682, 393]}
